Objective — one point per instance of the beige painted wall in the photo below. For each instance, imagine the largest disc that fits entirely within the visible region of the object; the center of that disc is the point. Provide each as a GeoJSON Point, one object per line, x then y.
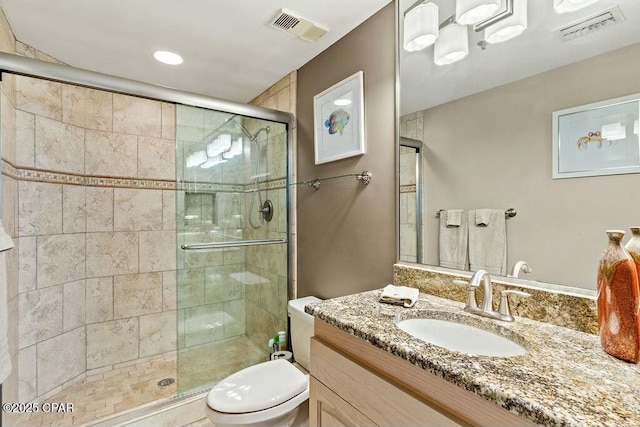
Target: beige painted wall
{"type": "Point", "coordinates": [346, 231]}
{"type": "Point", "coordinates": [501, 143]}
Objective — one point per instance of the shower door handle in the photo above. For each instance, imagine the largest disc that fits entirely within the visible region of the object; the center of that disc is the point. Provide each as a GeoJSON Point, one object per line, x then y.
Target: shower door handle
{"type": "Point", "coordinates": [231, 244]}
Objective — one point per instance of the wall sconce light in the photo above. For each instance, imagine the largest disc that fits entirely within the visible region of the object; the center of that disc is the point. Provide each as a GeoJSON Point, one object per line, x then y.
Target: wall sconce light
{"type": "Point", "coordinates": [469, 12]}
{"type": "Point", "coordinates": [452, 45]}
{"type": "Point", "coordinates": [509, 27]}
{"type": "Point", "coordinates": [420, 26]}
{"type": "Point", "coordinates": [564, 6]}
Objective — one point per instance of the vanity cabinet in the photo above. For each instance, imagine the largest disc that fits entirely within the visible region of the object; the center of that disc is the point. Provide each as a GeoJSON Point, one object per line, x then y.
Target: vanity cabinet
{"type": "Point", "coordinates": [355, 383]}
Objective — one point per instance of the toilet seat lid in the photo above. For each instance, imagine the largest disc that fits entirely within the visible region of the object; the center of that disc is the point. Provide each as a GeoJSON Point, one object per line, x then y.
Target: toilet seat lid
{"type": "Point", "coordinates": [257, 387]}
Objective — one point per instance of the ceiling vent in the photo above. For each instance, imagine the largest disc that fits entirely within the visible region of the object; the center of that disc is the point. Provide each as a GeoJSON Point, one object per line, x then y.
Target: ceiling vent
{"type": "Point", "coordinates": [298, 26]}
{"type": "Point", "coordinates": [593, 23]}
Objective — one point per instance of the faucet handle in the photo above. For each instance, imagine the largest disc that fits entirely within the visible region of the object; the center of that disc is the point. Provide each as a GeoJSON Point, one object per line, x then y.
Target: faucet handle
{"type": "Point", "coordinates": [504, 310]}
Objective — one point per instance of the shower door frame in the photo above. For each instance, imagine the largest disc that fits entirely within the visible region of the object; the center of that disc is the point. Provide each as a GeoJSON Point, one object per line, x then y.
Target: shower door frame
{"type": "Point", "coordinates": [29, 67]}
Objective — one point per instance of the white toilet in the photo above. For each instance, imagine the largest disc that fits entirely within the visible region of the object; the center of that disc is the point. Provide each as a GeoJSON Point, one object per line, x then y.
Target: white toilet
{"type": "Point", "coordinates": [273, 393]}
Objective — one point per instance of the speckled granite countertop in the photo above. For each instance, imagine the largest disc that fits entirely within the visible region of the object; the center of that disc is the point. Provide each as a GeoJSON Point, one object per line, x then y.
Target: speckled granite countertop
{"type": "Point", "coordinates": [565, 379]}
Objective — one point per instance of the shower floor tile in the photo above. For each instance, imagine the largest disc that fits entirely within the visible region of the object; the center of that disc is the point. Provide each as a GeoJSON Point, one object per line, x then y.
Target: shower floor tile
{"type": "Point", "coordinates": [102, 396]}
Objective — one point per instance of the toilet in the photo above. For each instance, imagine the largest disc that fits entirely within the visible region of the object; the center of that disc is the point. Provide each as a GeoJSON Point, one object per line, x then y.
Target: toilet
{"type": "Point", "coordinates": [273, 393]}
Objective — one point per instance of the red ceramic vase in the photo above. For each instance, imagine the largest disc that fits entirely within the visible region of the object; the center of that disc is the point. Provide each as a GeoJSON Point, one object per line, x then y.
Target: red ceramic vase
{"type": "Point", "coordinates": [618, 316]}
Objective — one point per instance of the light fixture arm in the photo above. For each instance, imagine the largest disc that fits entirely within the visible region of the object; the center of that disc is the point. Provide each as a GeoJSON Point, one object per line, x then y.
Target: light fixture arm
{"type": "Point", "coordinates": [495, 18]}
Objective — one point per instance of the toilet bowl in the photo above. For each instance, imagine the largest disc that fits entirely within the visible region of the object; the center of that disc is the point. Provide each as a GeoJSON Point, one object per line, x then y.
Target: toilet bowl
{"type": "Point", "coordinates": [273, 393]}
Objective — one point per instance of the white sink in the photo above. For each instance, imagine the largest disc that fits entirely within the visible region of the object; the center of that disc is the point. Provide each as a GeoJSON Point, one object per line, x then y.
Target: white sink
{"type": "Point", "coordinates": [460, 337]}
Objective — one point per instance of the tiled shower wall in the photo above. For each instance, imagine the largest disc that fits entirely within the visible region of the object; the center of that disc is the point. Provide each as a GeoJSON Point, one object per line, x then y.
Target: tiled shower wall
{"type": "Point", "coordinates": [410, 127]}
{"type": "Point", "coordinates": [96, 228]}
{"type": "Point", "coordinates": [9, 212]}
{"type": "Point", "coordinates": [267, 296]}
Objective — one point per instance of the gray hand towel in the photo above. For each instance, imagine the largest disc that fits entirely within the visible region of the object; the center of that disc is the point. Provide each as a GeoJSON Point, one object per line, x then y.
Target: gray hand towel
{"type": "Point", "coordinates": [454, 243]}
{"type": "Point", "coordinates": [488, 243]}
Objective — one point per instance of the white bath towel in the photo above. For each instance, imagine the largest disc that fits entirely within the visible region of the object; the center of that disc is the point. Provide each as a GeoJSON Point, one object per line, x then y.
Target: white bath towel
{"type": "Point", "coordinates": [399, 295]}
{"type": "Point", "coordinates": [453, 243]}
{"type": "Point", "coordinates": [488, 243]}
{"type": "Point", "coordinates": [483, 216]}
{"type": "Point", "coordinates": [5, 359]}
{"type": "Point", "coordinates": [454, 217]}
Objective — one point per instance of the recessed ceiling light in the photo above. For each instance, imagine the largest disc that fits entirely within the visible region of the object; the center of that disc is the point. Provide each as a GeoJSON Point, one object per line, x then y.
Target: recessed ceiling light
{"type": "Point", "coordinates": [167, 57]}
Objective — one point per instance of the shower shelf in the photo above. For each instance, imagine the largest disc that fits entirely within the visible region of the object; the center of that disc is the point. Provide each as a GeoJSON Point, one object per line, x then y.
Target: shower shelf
{"type": "Point", "coordinates": [231, 244]}
{"type": "Point", "coordinates": [364, 176]}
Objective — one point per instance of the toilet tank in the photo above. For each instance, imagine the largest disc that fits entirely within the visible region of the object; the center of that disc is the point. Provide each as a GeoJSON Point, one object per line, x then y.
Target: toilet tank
{"type": "Point", "coordinates": [301, 329]}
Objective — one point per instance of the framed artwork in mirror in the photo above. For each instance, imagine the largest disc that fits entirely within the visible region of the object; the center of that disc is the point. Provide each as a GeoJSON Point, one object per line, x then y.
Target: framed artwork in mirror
{"type": "Point", "coordinates": [597, 139]}
{"type": "Point", "coordinates": [338, 117]}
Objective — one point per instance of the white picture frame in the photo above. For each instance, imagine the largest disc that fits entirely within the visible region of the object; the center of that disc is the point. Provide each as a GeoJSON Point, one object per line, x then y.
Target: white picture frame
{"type": "Point", "coordinates": [597, 139]}
{"type": "Point", "coordinates": [338, 117]}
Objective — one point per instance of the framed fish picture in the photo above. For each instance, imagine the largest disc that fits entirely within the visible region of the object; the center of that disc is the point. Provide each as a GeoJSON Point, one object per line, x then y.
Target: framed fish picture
{"type": "Point", "coordinates": [338, 117]}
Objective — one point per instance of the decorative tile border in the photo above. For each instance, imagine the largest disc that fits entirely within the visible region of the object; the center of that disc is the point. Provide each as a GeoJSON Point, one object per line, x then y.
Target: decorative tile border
{"type": "Point", "coordinates": [408, 188]}
{"type": "Point", "coordinates": [47, 176]}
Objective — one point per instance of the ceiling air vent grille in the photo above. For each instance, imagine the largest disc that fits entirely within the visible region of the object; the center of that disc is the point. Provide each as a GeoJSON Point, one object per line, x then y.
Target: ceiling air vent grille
{"type": "Point", "coordinates": [285, 21]}
{"type": "Point", "coordinates": [298, 26]}
{"type": "Point", "coordinates": [593, 23]}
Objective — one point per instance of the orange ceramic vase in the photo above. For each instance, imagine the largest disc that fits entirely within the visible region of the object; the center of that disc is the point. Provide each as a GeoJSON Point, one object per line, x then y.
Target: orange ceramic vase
{"type": "Point", "coordinates": [633, 248]}
{"type": "Point", "coordinates": [618, 316]}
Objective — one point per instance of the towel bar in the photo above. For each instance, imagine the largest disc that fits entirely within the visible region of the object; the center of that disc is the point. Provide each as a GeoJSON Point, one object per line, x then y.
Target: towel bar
{"type": "Point", "coordinates": [509, 213]}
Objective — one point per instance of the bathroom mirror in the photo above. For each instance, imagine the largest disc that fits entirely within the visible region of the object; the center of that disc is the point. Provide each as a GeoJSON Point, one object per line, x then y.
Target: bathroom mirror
{"type": "Point", "coordinates": [485, 123]}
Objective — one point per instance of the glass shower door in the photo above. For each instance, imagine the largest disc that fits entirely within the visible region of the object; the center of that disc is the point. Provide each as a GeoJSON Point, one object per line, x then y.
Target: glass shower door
{"type": "Point", "coordinates": [232, 254]}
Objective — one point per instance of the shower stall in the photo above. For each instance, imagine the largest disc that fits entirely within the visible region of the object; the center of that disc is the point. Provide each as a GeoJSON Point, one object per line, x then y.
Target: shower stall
{"type": "Point", "coordinates": [152, 239]}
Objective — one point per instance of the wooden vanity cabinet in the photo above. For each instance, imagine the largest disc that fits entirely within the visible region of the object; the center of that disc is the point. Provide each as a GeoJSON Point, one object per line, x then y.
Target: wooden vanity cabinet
{"type": "Point", "coordinates": [354, 383]}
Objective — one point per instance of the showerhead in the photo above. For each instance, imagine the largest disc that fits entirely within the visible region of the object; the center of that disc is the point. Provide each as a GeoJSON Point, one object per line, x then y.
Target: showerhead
{"type": "Point", "coordinates": [266, 129]}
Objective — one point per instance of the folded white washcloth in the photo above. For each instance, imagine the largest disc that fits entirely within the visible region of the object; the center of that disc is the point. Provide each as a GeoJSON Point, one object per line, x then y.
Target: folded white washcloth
{"type": "Point", "coordinates": [454, 217]}
{"type": "Point", "coordinates": [483, 216]}
{"type": "Point", "coordinates": [399, 295]}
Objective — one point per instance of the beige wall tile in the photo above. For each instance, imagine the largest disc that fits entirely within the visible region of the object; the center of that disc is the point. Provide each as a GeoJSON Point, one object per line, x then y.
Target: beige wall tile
{"type": "Point", "coordinates": [137, 294]}
{"type": "Point", "coordinates": [110, 254]}
{"type": "Point", "coordinates": [168, 209]}
{"type": "Point", "coordinates": [40, 315]}
{"type": "Point", "coordinates": [59, 146]}
{"type": "Point", "coordinates": [157, 251]}
{"type": "Point", "coordinates": [74, 305]}
{"type": "Point", "coordinates": [27, 267]}
{"type": "Point", "coordinates": [25, 50]}
{"type": "Point", "coordinates": [9, 87]}
{"type": "Point", "coordinates": [8, 127]}
{"type": "Point", "coordinates": [7, 40]}
{"type": "Point", "coordinates": [111, 154]}
{"type": "Point", "coordinates": [112, 342]}
{"type": "Point", "coordinates": [169, 299]}
{"type": "Point", "coordinates": [40, 208]}
{"type": "Point", "coordinates": [190, 290]}
{"type": "Point", "coordinates": [203, 324]}
{"type": "Point", "coordinates": [60, 259]}
{"type": "Point", "coordinates": [157, 333]}
{"type": "Point", "coordinates": [9, 207]}
{"type": "Point", "coordinates": [99, 300]}
{"type": "Point", "coordinates": [168, 121]}
{"type": "Point", "coordinates": [98, 112]}
{"type": "Point", "coordinates": [220, 286]}
{"type": "Point", "coordinates": [40, 97]}
{"type": "Point", "coordinates": [25, 139]}
{"type": "Point", "coordinates": [156, 158]}
{"type": "Point", "coordinates": [137, 116]}
{"type": "Point", "coordinates": [68, 350]}
{"type": "Point", "coordinates": [137, 209]}
{"type": "Point", "coordinates": [234, 318]}
{"type": "Point", "coordinates": [27, 374]}
{"type": "Point", "coordinates": [74, 213]}
{"type": "Point", "coordinates": [11, 258]}
{"type": "Point", "coordinates": [73, 104]}
{"type": "Point", "coordinates": [99, 208]}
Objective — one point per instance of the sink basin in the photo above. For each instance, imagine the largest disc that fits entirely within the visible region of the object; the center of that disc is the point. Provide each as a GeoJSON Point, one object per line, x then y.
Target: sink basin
{"type": "Point", "coordinates": [460, 337]}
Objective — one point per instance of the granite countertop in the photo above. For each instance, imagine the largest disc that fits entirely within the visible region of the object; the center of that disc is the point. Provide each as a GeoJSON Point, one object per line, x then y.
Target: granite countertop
{"type": "Point", "coordinates": [565, 379]}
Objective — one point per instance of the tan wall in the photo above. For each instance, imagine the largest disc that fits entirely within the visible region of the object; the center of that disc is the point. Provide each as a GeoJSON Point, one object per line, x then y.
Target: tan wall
{"type": "Point", "coordinates": [506, 162]}
{"type": "Point", "coordinates": [346, 231]}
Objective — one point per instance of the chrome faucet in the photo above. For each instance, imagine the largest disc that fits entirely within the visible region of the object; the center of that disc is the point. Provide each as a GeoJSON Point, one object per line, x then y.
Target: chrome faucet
{"type": "Point", "coordinates": [486, 308]}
